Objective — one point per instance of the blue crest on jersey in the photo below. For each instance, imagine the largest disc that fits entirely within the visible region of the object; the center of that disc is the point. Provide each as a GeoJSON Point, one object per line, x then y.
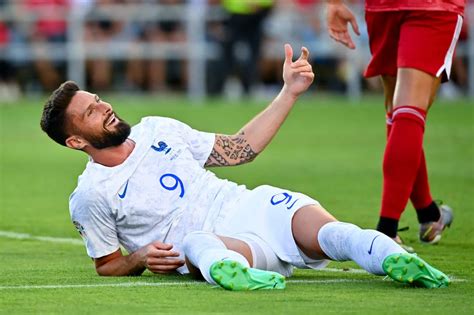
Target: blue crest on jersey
{"type": "Point", "coordinates": [162, 146]}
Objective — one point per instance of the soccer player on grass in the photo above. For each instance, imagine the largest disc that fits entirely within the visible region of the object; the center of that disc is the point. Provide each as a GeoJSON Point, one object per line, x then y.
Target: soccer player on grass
{"type": "Point", "coordinates": [412, 45]}
{"type": "Point", "coordinates": [146, 188]}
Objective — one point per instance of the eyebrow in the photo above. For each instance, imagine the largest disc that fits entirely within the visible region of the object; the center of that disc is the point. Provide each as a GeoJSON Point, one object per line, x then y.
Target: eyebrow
{"type": "Point", "coordinates": [85, 112]}
{"type": "Point", "coordinates": [96, 99]}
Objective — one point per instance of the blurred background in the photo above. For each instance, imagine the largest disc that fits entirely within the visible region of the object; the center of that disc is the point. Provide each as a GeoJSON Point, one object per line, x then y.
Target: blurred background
{"type": "Point", "coordinates": [199, 48]}
{"type": "Point", "coordinates": [156, 57]}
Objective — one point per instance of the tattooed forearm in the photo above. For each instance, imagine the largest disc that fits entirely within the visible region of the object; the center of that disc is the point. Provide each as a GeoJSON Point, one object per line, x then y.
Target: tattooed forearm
{"type": "Point", "coordinates": [231, 150]}
{"type": "Point", "coordinates": [215, 159]}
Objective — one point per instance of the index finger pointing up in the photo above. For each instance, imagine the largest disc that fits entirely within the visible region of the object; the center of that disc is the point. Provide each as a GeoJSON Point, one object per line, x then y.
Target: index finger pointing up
{"type": "Point", "coordinates": [304, 53]}
{"type": "Point", "coordinates": [288, 53]}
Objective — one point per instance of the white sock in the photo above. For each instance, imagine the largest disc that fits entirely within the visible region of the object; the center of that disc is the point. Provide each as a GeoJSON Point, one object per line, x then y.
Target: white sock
{"type": "Point", "coordinates": [203, 249]}
{"type": "Point", "coordinates": [368, 248]}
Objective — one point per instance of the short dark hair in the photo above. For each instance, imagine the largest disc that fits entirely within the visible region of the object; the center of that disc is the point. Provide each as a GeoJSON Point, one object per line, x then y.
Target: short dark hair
{"type": "Point", "coordinates": [53, 120]}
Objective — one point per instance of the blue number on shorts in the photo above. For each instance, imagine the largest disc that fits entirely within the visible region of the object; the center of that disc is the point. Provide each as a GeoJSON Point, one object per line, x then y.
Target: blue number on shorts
{"type": "Point", "coordinates": [292, 204]}
{"type": "Point", "coordinates": [282, 197]}
{"type": "Point", "coordinates": [177, 181]}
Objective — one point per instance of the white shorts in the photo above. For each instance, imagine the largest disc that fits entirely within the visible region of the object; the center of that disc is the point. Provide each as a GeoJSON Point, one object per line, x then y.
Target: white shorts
{"type": "Point", "coordinates": [267, 212]}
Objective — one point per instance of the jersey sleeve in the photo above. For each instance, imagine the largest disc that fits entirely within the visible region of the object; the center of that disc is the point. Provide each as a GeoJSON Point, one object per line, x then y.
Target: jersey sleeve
{"type": "Point", "coordinates": [200, 143]}
{"type": "Point", "coordinates": [95, 223]}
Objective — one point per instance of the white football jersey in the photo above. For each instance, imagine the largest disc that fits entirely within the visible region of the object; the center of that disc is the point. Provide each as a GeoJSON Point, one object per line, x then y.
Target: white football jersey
{"type": "Point", "coordinates": [160, 192]}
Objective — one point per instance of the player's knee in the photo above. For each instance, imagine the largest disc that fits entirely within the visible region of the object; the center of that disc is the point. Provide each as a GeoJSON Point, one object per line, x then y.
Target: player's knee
{"type": "Point", "coordinates": [263, 256]}
{"type": "Point", "coordinates": [198, 238]}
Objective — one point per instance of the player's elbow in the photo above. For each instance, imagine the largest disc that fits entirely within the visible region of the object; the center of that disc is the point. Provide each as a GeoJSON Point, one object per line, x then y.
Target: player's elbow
{"type": "Point", "coordinates": [103, 272]}
{"type": "Point", "coordinates": [248, 158]}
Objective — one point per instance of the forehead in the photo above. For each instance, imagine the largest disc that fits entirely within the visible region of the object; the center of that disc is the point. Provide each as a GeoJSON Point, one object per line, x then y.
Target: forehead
{"type": "Point", "coordinates": [79, 102]}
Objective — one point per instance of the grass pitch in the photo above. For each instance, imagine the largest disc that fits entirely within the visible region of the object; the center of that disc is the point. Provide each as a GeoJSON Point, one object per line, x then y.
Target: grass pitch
{"type": "Point", "coordinates": [327, 149]}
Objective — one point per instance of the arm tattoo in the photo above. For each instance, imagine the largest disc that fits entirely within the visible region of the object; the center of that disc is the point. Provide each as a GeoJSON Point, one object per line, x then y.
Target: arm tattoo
{"type": "Point", "coordinates": [231, 150]}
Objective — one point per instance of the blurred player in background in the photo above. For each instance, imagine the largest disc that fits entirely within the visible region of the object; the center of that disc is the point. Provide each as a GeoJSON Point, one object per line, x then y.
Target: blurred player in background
{"type": "Point", "coordinates": [146, 189]}
{"type": "Point", "coordinates": [241, 44]}
{"type": "Point", "coordinates": [50, 27]}
{"type": "Point", "coordinates": [159, 74]}
{"type": "Point", "coordinates": [412, 45]}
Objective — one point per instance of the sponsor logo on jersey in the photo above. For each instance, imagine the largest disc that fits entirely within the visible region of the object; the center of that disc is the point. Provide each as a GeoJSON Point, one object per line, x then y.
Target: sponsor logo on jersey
{"type": "Point", "coordinates": [124, 192]}
{"type": "Point", "coordinates": [371, 245]}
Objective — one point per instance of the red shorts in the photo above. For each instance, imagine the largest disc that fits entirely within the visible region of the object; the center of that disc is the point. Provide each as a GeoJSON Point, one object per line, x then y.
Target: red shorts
{"type": "Point", "coordinates": [424, 40]}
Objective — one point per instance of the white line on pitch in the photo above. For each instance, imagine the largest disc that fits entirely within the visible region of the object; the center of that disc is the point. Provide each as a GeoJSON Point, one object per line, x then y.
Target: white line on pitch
{"type": "Point", "coordinates": [157, 284]}
{"type": "Point", "coordinates": [25, 236]}
{"type": "Point", "coordinates": [177, 284]}
{"type": "Point", "coordinates": [51, 239]}
{"type": "Point", "coordinates": [99, 285]}
{"type": "Point", "coordinates": [342, 270]}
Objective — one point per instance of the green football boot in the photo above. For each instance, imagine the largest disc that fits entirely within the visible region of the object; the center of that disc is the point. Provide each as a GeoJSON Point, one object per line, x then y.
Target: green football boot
{"type": "Point", "coordinates": [411, 269]}
{"type": "Point", "coordinates": [233, 276]}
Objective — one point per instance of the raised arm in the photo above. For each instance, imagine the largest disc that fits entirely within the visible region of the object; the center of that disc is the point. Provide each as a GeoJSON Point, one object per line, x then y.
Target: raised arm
{"type": "Point", "coordinates": [244, 146]}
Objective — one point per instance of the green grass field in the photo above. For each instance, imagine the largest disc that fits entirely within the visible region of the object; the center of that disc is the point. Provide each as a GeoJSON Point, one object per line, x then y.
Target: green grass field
{"type": "Point", "coordinates": [328, 149]}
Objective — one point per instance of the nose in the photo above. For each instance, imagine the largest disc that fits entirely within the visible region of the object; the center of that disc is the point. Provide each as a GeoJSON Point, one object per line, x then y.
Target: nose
{"type": "Point", "coordinates": [105, 107]}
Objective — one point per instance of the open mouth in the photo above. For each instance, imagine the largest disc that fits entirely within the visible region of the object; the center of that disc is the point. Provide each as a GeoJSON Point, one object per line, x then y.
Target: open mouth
{"type": "Point", "coordinates": [110, 120]}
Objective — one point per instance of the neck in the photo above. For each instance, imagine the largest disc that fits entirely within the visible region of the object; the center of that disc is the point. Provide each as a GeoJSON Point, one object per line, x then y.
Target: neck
{"type": "Point", "coordinates": [112, 156]}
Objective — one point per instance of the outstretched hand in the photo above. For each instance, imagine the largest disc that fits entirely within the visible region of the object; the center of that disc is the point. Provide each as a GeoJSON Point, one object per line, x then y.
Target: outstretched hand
{"type": "Point", "coordinates": [297, 75]}
{"type": "Point", "coordinates": [338, 16]}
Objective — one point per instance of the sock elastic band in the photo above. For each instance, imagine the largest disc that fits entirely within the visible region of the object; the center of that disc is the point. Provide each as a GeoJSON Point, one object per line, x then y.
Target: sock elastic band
{"type": "Point", "coordinates": [428, 214]}
{"type": "Point", "coordinates": [388, 226]}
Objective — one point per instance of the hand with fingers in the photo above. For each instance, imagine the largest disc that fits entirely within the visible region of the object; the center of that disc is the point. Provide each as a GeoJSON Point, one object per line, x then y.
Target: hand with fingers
{"type": "Point", "coordinates": [159, 257]}
{"type": "Point", "coordinates": [297, 75]}
{"type": "Point", "coordinates": [338, 16]}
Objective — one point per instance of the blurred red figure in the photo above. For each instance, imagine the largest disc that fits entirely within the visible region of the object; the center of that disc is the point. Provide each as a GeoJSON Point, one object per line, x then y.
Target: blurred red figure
{"type": "Point", "coordinates": [4, 36]}
{"type": "Point", "coordinates": [412, 45]}
{"type": "Point", "coordinates": [49, 27]}
{"type": "Point", "coordinates": [5, 67]}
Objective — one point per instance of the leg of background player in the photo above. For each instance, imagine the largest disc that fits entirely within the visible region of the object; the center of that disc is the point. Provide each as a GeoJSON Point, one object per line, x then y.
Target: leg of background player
{"type": "Point", "coordinates": [405, 173]}
{"type": "Point", "coordinates": [420, 195]}
{"type": "Point", "coordinates": [389, 83]}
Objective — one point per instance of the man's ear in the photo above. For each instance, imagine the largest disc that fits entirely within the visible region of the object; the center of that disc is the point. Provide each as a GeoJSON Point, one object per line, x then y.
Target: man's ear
{"type": "Point", "coordinates": [76, 142]}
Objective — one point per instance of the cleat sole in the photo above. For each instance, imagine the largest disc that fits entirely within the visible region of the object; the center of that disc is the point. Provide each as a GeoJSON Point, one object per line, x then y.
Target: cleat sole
{"type": "Point", "coordinates": [414, 271]}
{"type": "Point", "coordinates": [233, 276]}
